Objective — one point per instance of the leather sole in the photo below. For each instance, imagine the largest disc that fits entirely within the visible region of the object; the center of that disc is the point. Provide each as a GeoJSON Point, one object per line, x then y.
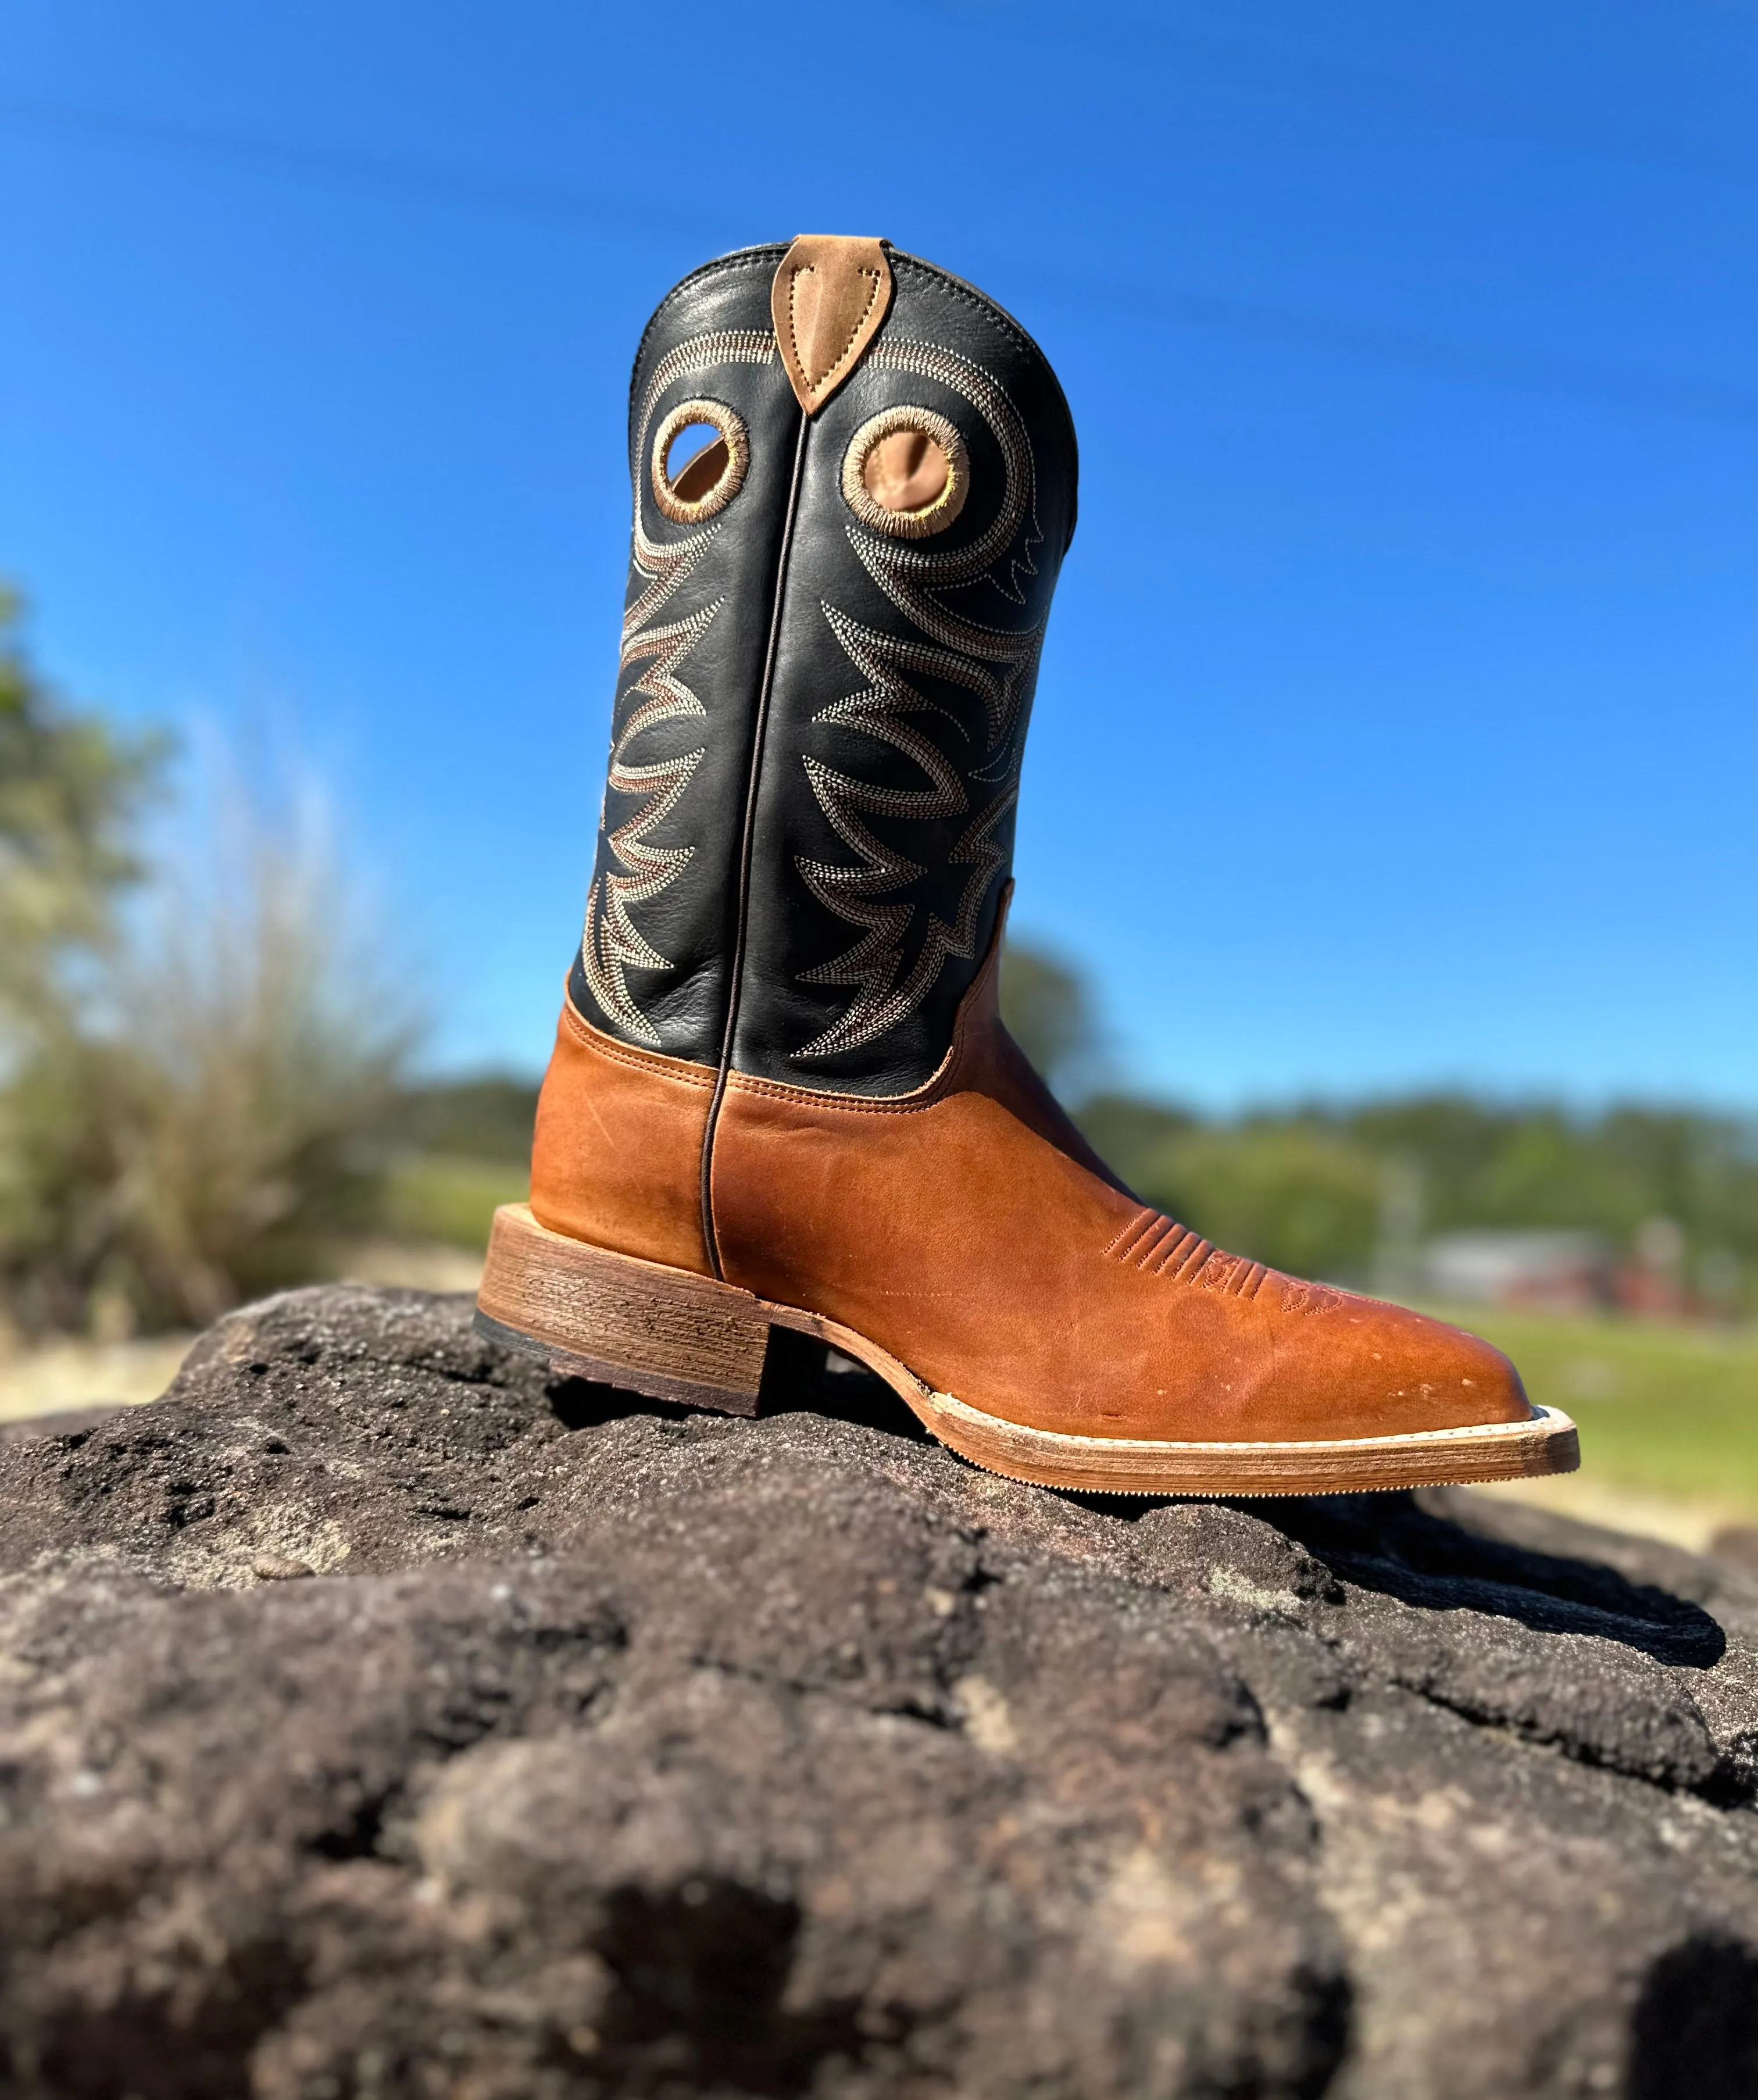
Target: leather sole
{"type": "Point", "coordinates": [671, 1336]}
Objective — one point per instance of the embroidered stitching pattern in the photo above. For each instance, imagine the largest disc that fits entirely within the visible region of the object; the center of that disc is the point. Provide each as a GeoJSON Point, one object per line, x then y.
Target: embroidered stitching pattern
{"type": "Point", "coordinates": [612, 944]}
{"type": "Point", "coordinates": [932, 518]}
{"type": "Point", "coordinates": [1298, 1297]}
{"type": "Point", "coordinates": [730, 427]}
{"type": "Point", "coordinates": [929, 1094]}
{"type": "Point", "coordinates": [725, 347]}
{"type": "Point", "coordinates": [994, 662]}
{"type": "Point", "coordinates": [741, 262]}
{"type": "Point", "coordinates": [1159, 1246]}
{"type": "Point", "coordinates": [762, 259]}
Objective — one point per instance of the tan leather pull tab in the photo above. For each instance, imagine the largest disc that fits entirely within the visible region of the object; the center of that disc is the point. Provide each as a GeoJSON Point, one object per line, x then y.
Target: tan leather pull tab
{"type": "Point", "coordinates": [828, 298]}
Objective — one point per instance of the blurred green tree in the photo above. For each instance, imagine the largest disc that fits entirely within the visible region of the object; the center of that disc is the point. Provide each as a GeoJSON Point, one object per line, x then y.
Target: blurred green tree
{"type": "Point", "coordinates": [486, 1118]}
{"type": "Point", "coordinates": [1131, 1134]}
{"type": "Point", "coordinates": [1049, 1012]}
{"type": "Point", "coordinates": [71, 790]}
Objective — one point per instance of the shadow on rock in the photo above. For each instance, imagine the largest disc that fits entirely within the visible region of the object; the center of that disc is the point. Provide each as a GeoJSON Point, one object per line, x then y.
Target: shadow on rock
{"type": "Point", "coordinates": [1391, 1543]}
{"type": "Point", "coordinates": [701, 1972]}
{"type": "Point", "coordinates": [800, 1376]}
{"type": "Point", "coordinates": [584, 1403]}
{"type": "Point", "coordinates": [1694, 2035]}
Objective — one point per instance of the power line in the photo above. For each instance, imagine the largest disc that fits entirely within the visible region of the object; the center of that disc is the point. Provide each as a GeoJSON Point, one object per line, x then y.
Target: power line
{"type": "Point", "coordinates": [1405, 94]}
{"type": "Point", "coordinates": [348, 166]}
{"type": "Point", "coordinates": [1630, 385]}
{"type": "Point", "coordinates": [362, 169]}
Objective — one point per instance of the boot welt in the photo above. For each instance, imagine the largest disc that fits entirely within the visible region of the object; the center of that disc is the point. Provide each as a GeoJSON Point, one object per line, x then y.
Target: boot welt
{"type": "Point", "coordinates": [672, 1335]}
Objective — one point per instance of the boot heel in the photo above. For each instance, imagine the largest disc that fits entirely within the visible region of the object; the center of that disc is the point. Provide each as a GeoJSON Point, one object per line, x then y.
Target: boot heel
{"type": "Point", "coordinates": [661, 1332]}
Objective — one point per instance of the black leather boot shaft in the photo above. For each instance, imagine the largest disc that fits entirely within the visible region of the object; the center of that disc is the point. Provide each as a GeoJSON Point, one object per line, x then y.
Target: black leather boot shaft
{"type": "Point", "coordinates": [823, 695]}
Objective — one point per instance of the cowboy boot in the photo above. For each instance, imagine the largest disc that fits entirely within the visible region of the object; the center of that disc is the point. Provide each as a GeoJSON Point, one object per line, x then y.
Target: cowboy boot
{"type": "Point", "coordinates": [782, 1097]}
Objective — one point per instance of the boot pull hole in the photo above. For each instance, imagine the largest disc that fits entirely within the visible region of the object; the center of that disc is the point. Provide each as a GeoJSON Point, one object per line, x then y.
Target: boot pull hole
{"type": "Point", "coordinates": [696, 461]}
{"type": "Point", "coordinates": [906, 472]}
{"type": "Point", "coordinates": [699, 456]}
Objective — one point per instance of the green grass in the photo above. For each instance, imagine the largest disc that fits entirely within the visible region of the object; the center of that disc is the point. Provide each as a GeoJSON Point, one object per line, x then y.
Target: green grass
{"type": "Point", "coordinates": [432, 1196]}
{"type": "Point", "coordinates": [1670, 1409]}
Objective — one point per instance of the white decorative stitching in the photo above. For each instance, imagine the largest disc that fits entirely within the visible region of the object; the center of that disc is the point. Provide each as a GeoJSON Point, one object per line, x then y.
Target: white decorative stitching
{"type": "Point", "coordinates": [943, 568]}
{"type": "Point", "coordinates": [725, 347]}
{"type": "Point", "coordinates": [994, 662]}
{"type": "Point", "coordinates": [612, 944]}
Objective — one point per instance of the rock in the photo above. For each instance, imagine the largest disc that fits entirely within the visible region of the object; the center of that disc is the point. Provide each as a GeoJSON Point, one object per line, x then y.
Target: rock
{"type": "Point", "coordinates": [277, 1568]}
{"type": "Point", "coordinates": [59, 1422]}
{"type": "Point", "coordinates": [614, 1749]}
{"type": "Point", "coordinates": [1738, 1544]}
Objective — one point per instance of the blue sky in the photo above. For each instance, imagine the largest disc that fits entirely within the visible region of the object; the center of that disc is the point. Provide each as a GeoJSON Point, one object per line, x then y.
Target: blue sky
{"type": "Point", "coordinates": [1399, 723]}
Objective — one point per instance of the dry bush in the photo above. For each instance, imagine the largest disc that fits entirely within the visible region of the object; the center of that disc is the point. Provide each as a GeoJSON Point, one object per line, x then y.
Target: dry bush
{"type": "Point", "coordinates": [193, 1121]}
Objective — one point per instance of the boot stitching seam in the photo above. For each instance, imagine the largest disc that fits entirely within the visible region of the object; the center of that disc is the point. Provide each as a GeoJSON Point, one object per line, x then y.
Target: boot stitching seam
{"type": "Point", "coordinates": [759, 729]}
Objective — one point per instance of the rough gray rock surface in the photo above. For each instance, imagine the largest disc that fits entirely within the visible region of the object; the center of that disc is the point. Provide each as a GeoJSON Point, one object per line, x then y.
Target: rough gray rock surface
{"type": "Point", "coordinates": [616, 1750]}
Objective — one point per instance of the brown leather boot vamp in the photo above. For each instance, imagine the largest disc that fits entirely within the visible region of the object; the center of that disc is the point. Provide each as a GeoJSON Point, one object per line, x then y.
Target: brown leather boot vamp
{"type": "Point", "coordinates": [966, 1243]}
